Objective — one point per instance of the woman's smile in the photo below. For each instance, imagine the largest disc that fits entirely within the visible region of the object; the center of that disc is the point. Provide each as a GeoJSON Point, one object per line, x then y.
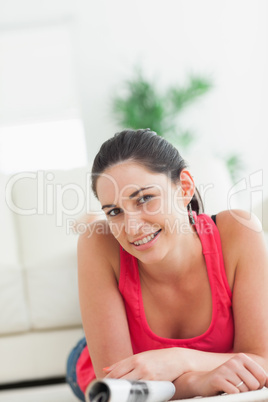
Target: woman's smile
{"type": "Point", "coordinates": [147, 241]}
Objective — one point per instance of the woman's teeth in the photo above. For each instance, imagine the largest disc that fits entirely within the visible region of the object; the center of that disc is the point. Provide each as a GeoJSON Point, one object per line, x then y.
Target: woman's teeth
{"type": "Point", "coordinates": [146, 239]}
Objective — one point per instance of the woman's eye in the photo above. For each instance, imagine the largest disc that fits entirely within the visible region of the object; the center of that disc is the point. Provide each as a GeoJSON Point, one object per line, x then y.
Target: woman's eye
{"type": "Point", "coordinates": [114, 212]}
{"type": "Point", "coordinates": [144, 199]}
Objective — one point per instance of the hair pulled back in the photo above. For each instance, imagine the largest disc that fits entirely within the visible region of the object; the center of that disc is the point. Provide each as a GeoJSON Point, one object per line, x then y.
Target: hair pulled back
{"type": "Point", "coordinates": [146, 147]}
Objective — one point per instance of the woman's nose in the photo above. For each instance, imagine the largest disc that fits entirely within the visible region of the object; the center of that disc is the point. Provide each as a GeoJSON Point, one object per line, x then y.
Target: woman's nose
{"type": "Point", "coordinates": [133, 224]}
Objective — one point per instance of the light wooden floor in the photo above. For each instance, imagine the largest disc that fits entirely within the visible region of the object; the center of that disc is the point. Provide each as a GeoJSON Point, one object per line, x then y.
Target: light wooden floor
{"type": "Point", "coordinates": [52, 393]}
{"type": "Point", "coordinates": [62, 393]}
{"type": "Point", "coordinates": [253, 396]}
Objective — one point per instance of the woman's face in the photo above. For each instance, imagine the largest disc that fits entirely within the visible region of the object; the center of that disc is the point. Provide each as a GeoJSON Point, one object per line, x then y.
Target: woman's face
{"type": "Point", "coordinates": [146, 211]}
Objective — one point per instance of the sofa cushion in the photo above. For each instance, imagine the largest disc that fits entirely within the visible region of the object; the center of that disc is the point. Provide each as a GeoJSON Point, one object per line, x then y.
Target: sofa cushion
{"type": "Point", "coordinates": [52, 291]}
{"type": "Point", "coordinates": [48, 204]}
{"type": "Point", "coordinates": [13, 304]}
{"type": "Point", "coordinates": [261, 210]}
{"type": "Point", "coordinates": [36, 354]}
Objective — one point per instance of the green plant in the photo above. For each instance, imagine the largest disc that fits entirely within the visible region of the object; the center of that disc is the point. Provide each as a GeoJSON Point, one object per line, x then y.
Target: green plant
{"type": "Point", "coordinates": [142, 105]}
{"type": "Point", "coordinates": [235, 166]}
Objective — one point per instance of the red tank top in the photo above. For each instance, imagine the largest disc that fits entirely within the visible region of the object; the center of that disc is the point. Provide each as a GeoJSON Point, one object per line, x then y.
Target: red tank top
{"type": "Point", "coordinates": [220, 334]}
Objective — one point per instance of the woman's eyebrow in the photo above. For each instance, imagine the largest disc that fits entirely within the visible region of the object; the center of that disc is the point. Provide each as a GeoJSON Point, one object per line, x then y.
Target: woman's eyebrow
{"type": "Point", "coordinates": [130, 197]}
{"type": "Point", "coordinates": [138, 191]}
{"type": "Point", "coordinates": [108, 206]}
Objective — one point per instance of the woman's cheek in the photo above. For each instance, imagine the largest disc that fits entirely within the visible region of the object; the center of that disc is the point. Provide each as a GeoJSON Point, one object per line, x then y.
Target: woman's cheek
{"type": "Point", "coordinates": [116, 227]}
{"type": "Point", "coordinates": [154, 207]}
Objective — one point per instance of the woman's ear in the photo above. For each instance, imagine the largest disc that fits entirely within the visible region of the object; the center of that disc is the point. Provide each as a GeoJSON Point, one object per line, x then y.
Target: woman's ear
{"type": "Point", "coordinates": [187, 186]}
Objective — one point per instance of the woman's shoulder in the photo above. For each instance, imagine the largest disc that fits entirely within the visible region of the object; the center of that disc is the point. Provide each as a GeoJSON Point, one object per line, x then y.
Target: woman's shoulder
{"type": "Point", "coordinates": [239, 231]}
{"type": "Point", "coordinates": [98, 245]}
{"type": "Point", "coordinates": [237, 222]}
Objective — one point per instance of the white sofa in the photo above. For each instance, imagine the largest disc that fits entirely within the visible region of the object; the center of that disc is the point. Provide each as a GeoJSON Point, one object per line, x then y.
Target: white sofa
{"type": "Point", "coordinates": [39, 310]}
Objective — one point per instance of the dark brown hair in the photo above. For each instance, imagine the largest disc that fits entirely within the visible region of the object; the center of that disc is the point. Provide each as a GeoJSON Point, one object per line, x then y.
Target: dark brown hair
{"type": "Point", "coordinates": [146, 147]}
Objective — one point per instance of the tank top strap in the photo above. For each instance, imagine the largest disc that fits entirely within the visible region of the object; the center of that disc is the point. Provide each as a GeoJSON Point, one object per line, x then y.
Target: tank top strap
{"type": "Point", "coordinates": [129, 280]}
{"type": "Point", "coordinates": [209, 236]}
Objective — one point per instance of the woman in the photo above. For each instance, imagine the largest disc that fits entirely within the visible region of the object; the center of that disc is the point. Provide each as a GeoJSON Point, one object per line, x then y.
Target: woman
{"type": "Point", "coordinates": [167, 293]}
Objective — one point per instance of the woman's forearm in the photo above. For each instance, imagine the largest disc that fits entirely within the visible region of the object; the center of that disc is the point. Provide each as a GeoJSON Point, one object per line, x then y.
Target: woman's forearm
{"type": "Point", "coordinates": [206, 361]}
{"type": "Point", "coordinates": [197, 360]}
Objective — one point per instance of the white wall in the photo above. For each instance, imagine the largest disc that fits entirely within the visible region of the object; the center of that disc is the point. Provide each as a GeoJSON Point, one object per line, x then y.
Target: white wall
{"type": "Point", "coordinates": [227, 40]}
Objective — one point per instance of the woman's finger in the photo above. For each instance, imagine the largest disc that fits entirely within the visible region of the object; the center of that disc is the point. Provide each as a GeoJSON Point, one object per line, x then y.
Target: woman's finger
{"type": "Point", "coordinates": [242, 386]}
{"type": "Point", "coordinates": [228, 388]}
{"type": "Point", "coordinates": [107, 369]}
{"type": "Point", "coordinates": [257, 372]}
{"type": "Point", "coordinates": [118, 370]}
{"type": "Point", "coordinates": [132, 375]}
{"type": "Point", "coordinates": [250, 382]}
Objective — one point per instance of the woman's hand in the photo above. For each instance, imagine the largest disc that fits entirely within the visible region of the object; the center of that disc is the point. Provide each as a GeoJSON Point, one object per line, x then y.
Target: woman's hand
{"type": "Point", "coordinates": [159, 365]}
{"type": "Point", "coordinates": [239, 374]}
